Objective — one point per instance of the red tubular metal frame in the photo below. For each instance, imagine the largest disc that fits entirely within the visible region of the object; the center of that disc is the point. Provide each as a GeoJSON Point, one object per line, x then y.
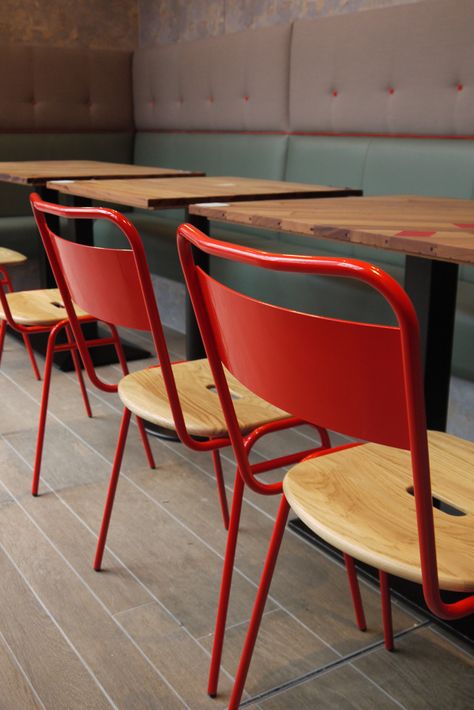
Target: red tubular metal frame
{"type": "Point", "coordinates": [7, 286]}
{"type": "Point", "coordinates": [408, 422]}
{"type": "Point", "coordinates": [72, 325]}
{"type": "Point", "coordinates": [77, 270]}
{"type": "Point", "coordinates": [52, 348]}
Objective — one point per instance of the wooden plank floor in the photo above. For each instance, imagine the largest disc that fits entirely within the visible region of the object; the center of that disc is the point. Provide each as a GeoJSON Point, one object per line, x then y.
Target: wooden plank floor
{"type": "Point", "coordinates": [138, 635]}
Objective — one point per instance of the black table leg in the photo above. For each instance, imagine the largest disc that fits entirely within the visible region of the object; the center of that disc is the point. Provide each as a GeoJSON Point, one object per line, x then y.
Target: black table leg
{"type": "Point", "coordinates": [81, 231]}
{"type": "Point", "coordinates": [432, 286]}
{"type": "Point", "coordinates": [194, 345]}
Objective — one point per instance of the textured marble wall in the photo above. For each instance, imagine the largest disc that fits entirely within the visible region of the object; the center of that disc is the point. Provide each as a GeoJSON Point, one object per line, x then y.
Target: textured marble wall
{"type": "Point", "coordinates": [163, 21]}
{"type": "Point", "coordinates": [70, 23]}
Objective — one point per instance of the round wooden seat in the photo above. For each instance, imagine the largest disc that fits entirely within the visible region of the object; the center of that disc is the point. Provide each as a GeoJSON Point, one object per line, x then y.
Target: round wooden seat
{"type": "Point", "coordinates": [360, 500]}
{"type": "Point", "coordinates": [8, 257]}
{"type": "Point", "coordinates": [39, 307]}
{"type": "Point", "coordinates": [145, 395]}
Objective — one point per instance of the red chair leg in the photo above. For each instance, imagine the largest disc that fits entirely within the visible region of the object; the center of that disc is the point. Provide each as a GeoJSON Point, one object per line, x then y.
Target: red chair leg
{"type": "Point", "coordinates": [31, 355]}
{"type": "Point", "coordinates": [146, 443]}
{"type": "Point", "coordinates": [5, 279]}
{"type": "Point", "coordinates": [123, 363]}
{"type": "Point", "coordinates": [77, 367]}
{"type": "Point", "coordinates": [259, 605]}
{"type": "Point", "coordinates": [3, 328]}
{"type": "Point", "coordinates": [112, 488]}
{"type": "Point", "coordinates": [216, 460]}
{"type": "Point", "coordinates": [386, 611]}
{"type": "Point", "coordinates": [226, 582]}
{"type": "Point", "coordinates": [119, 349]}
{"type": "Point", "coordinates": [43, 410]}
{"type": "Point", "coordinates": [355, 592]}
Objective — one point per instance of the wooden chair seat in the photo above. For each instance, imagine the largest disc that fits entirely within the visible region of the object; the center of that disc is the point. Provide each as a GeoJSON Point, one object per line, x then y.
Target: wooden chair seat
{"type": "Point", "coordinates": [358, 500]}
{"type": "Point", "coordinates": [8, 257]}
{"type": "Point", "coordinates": [39, 307]}
{"type": "Point", "coordinates": [145, 395]}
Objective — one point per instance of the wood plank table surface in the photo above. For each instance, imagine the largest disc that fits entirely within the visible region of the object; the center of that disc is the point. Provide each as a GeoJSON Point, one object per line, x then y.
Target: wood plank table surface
{"type": "Point", "coordinates": [435, 234]}
{"type": "Point", "coordinates": [163, 194]}
{"type": "Point", "coordinates": [431, 227]}
{"type": "Point", "coordinates": [38, 172]}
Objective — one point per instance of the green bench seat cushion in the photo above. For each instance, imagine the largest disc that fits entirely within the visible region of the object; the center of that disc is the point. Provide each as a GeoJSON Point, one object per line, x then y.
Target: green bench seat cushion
{"type": "Point", "coordinates": [245, 155]}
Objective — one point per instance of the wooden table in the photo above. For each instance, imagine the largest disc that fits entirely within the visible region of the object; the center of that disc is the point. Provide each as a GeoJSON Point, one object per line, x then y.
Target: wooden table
{"type": "Point", "coordinates": [36, 173]}
{"type": "Point", "coordinates": [435, 234]}
{"type": "Point", "coordinates": [163, 194]}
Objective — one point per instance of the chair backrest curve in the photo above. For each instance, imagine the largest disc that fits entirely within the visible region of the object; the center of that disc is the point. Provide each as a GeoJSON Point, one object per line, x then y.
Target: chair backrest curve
{"type": "Point", "coordinates": [113, 285]}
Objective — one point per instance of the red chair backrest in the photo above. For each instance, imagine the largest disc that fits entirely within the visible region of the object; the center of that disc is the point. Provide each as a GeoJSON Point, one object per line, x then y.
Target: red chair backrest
{"type": "Point", "coordinates": [112, 285]}
{"type": "Point", "coordinates": [343, 375]}
{"type": "Point", "coordinates": [105, 282]}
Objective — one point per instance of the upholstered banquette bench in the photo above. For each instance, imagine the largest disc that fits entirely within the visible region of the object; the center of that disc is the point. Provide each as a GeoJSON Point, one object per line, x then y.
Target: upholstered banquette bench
{"type": "Point", "coordinates": [380, 100]}
{"type": "Point", "coordinates": [58, 104]}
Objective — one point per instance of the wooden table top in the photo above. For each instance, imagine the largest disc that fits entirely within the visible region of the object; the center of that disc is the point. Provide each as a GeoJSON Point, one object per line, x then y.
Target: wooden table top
{"type": "Point", "coordinates": [38, 172]}
{"type": "Point", "coordinates": [163, 193]}
{"type": "Point", "coordinates": [431, 227]}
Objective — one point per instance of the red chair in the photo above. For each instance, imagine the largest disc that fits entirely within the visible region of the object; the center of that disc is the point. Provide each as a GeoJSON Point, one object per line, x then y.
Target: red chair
{"type": "Point", "coordinates": [44, 311]}
{"type": "Point", "coordinates": [115, 285]}
{"type": "Point", "coordinates": [8, 257]}
{"type": "Point", "coordinates": [39, 312]}
{"type": "Point", "coordinates": [372, 500]}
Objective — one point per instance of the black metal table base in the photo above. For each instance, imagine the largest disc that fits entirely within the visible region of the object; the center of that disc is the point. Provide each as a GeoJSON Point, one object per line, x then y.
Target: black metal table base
{"type": "Point", "coordinates": [194, 345]}
{"type": "Point", "coordinates": [159, 432]}
{"type": "Point", "coordinates": [408, 592]}
{"type": "Point", "coordinates": [432, 286]}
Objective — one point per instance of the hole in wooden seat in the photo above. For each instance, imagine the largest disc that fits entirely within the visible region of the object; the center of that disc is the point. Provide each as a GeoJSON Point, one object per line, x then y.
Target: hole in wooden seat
{"type": "Point", "coordinates": [57, 304]}
{"type": "Point", "coordinates": [234, 395]}
{"type": "Point", "coordinates": [442, 505]}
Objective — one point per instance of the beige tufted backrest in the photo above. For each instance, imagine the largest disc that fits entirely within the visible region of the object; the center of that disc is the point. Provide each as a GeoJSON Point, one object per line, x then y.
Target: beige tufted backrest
{"type": "Point", "coordinates": [234, 82]}
{"type": "Point", "coordinates": [57, 89]}
{"type": "Point", "coordinates": [407, 69]}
